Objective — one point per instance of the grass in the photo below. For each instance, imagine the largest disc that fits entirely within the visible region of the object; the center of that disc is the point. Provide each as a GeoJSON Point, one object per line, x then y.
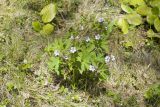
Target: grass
{"type": "Point", "coordinates": [134, 71]}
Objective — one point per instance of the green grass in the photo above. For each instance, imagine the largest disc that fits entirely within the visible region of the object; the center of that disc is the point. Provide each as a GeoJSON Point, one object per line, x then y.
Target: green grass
{"type": "Point", "coordinates": [24, 77]}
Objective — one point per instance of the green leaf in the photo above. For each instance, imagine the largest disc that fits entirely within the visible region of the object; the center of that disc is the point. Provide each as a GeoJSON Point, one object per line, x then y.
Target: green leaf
{"type": "Point", "coordinates": [157, 24]}
{"type": "Point", "coordinates": [155, 11]}
{"type": "Point", "coordinates": [151, 18]}
{"type": "Point", "coordinates": [110, 27]}
{"type": "Point", "coordinates": [137, 2]}
{"type": "Point", "coordinates": [10, 86]}
{"type": "Point", "coordinates": [36, 26]}
{"type": "Point", "coordinates": [126, 8]}
{"type": "Point", "coordinates": [134, 19]}
{"type": "Point", "coordinates": [123, 24]}
{"type": "Point", "coordinates": [125, 1]}
{"type": "Point", "coordinates": [143, 10]}
{"type": "Point", "coordinates": [128, 44]}
{"type": "Point", "coordinates": [151, 34]}
{"type": "Point", "coordinates": [48, 13]}
{"type": "Point", "coordinates": [47, 29]}
{"type": "Point", "coordinates": [155, 3]}
{"type": "Point", "coordinates": [53, 64]}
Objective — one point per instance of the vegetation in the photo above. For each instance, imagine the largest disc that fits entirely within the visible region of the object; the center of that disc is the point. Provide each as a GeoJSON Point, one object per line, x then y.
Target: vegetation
{"type": "Point", "coordinates": [80, 53]}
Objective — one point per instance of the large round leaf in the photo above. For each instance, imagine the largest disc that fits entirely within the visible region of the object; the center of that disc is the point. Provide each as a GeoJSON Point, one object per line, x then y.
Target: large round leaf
{"type": "Point", "coordinates": [47, 29]}
{"type": "Point", "coordinates": [157, 24]}
{"type": "Point", "coordinates": [143, 10]}
{"type": "Point", "coordinates": [155, 10]}
{"type": "Point", "coordinates": [36, 26]}
{"type": "Point", "coordinates": [126, 8]}
{"type": "Point", "coordinates": [123, 24]}
{"type": "Point", "coordinates": [151, 18]}
{"type": "Point", "coordinates": [155, 3]}
{"type": "Point", "coordinates": [134, 19]}
{"type": "Point", "coordinates": [137, 2]}
{"type": "Point", "coordinates": [48, 13]}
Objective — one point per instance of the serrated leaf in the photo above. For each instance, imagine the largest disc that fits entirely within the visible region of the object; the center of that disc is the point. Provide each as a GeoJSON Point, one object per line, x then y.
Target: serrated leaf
{"type": "Point", "coordinates": [36, 26]}
{"type": "Point", "coordinates": [151, 18]}
{"type": "Point", "coordinates": [143, 10]}
{"type": "Point", "coordinates": [47, 29]}
{"type": "Point", "coordinates": [137, 2]}
{"type": "Point", "coordinates": [48, 13]}
{"type": "Point", "coordinates": [123, 24]}
{"type": "Point", "coordinates": [157, 24]}
{"type": "Point", "coordinates": [126, 8]}
{"type": "Point", "coordinates": [134, 19]}
{"type": "Point", "coordinates": [53, 64]}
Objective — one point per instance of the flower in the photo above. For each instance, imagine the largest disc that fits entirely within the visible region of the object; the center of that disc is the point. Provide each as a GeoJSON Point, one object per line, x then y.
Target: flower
{"type": "Point", "coordinates": [87, 39]}
{"type": "Point", "coordinates": [73, 49]}
{"type": "Point", "coordinates": [100, 20]}
{"type": "Point", "coordinates": [113, 58]}
{"type": "Point", "coordinates": [97, 37]}
{"type": "Point", "coordinates": [107, 59]}
{"type": "Point", "coordinates": [56, 53]}
{"type": "Point", "coordinates": [72, 37]}
{"type": "Point", "coordinates": [92, 68]}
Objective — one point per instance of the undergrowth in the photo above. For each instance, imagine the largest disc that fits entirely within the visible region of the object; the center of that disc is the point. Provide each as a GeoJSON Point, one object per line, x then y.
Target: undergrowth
{"type": "Point", "coordinates": [85, 61]}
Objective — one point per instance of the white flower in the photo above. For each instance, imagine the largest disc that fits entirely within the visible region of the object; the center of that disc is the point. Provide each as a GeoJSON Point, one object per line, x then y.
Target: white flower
{"type": "Point", "coordinates": [107, 59]}
{"type": "Point", "coordinates": [87, 39]}
{"type": "Point", "coordinates": [113, 58]}
{"type": "Point", "coordinates": [56, 53]}
{"type": "Point", "coordinates": [72, 37]}
{"type": "Point", "coordinates": [97, 37]}
{"type": "Point", "coordinates": [100, 20]}
{"type": "Point", "coordinates": [73, 49]}
{"type": "Point", "coordinates": [92, 68]}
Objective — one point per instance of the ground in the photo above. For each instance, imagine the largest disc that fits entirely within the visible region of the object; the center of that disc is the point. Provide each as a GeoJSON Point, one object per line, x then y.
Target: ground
{"type": "Point", "coordinates": [131, 75]}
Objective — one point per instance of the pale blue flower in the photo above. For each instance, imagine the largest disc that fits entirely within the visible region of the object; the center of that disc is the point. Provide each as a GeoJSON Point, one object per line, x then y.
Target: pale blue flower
{"type": "Point", "coordinates": [56, 53]}
{"type": "Point", "coordinates": [100, 20]}
{"type": "Point", "coordinates": [97, 37]}
{"type": "Point", "coordinates": [107, 59]}
{"type": "Point", "coordinates": [87, 39]}
{"type": "Point", "coordinates": [73, 49]}
{"type": "Point", "coordinates": [92, 68]}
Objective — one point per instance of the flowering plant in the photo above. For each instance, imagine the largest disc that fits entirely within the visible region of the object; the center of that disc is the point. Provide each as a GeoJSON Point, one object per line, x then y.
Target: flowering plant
{"type": "Point", "coordinates": [80, 59]}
